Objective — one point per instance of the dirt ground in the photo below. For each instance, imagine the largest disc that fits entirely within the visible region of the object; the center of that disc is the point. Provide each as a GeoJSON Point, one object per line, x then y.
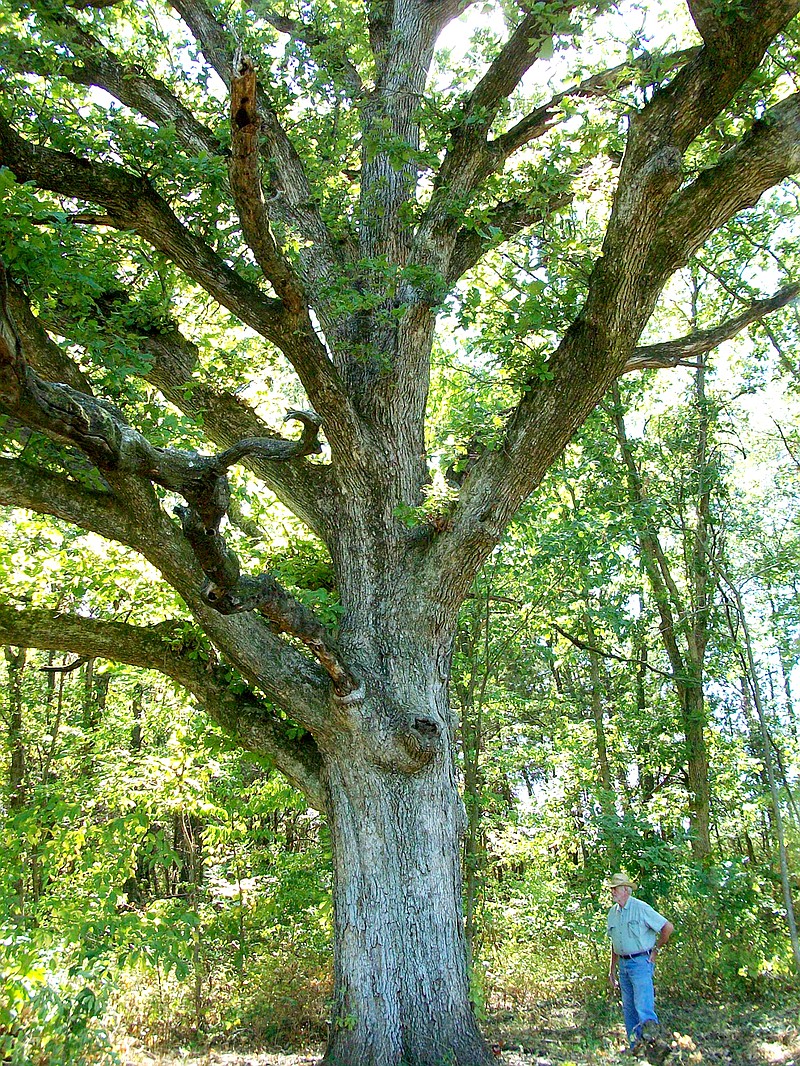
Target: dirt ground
{"type": "Point", "coordinates": [698, 1034]}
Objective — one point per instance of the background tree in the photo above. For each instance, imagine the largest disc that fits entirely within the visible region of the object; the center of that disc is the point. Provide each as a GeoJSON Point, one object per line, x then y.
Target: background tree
{"type": "Point", "coordinates": [161, 254]}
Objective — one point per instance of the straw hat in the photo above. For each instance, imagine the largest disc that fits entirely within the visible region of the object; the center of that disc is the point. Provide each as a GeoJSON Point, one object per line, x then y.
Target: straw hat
{"type": "Point", "coordinates": [619, 881]}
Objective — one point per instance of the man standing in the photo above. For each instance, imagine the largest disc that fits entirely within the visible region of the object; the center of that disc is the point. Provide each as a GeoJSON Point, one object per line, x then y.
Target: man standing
{"type": "Point", "coordinates": [637, 932]}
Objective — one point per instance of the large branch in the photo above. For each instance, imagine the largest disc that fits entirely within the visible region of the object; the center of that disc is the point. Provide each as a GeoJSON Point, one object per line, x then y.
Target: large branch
{"type": "Point", "coordinates": [210, 34]}
{"type": "Point", "coordinates": [662, 131]}
{"type": "Point", "coordinates": [133, 204]}
{"type": "Point", "coordinates": [289, 679]}
{"type": "Point", "coordinates": [720, 27]}
{"type": "Point", "coordinates": [631, 271]}
{"type": "Point", "coordinates": [765, 156]}
{"type": "Point", "coordinates": [684, 351]}
{"type": "Point", "coordinates": [49, 359]}
{"type": "Point", "coordinates": [127, 82]}
{"type": "Point", "coordinates": [53, 494]}
{"type": "Point", "coordinates": [98, 430]}
{"type": "Point", "coordinates": [453, 249]}
{"type": "Point", "coordinates": [653, 230]}
{"type": "Point", "coordinates": [169, 649]}
{"type": "Point", "coordinates": [515, 59]}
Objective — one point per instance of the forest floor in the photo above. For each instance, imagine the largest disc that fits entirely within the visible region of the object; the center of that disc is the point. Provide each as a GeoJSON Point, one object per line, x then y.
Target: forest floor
{"type": "Point", "coordinates": [698, 1034]}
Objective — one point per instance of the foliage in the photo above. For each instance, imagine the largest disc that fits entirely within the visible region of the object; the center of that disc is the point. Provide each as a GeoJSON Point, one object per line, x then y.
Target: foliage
{"type": "Point", "coordinates": [52, 1012]}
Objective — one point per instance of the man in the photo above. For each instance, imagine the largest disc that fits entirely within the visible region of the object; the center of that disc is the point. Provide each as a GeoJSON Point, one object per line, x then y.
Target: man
{"type": "Point", "coordinates": [637, 933]}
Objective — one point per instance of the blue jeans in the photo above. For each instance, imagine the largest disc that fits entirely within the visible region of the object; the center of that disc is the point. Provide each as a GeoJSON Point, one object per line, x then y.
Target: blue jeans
{"type": "Point", "coordinates": [638, 994]}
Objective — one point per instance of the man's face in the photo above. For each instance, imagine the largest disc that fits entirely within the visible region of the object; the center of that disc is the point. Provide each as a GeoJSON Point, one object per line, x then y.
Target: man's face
{"type": "Point", "coordinates": [621, 894]}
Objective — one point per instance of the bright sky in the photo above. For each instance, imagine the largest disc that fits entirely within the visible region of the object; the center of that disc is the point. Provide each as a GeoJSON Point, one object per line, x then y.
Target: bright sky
{"type": "Point", "coordinates": [653, 24]}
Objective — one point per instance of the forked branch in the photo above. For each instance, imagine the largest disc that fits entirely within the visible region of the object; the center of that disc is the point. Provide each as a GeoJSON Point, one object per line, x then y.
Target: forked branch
{"type": "Point", "coordinates": [171, 362]}
{"type": "Point", "coordinates": [602, 84]}
{"type": "Point", "coordinates": [474, 158]}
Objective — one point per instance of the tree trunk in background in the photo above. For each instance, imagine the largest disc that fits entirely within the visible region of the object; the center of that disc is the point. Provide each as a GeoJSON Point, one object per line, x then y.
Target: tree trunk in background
{"type": "Point", "coordinates": [598, 718]}
{"type": "Point", "coordinates": [694, 718]}
{"type": "Point", "coordinates": [786, 671]}
{"type": "Point", "coordinates": [604, 782]}
{"type": "Point", "coordinates": [137, 701]}
{"type": "Point", "coordinates": [95, 694]}
{"type": "Point", "coordinates": [17, 795]}
{"type": "Point", "coordinates": [470, 692]}
{"type": "Point", "coordinates": [647, 779]}
{"type": "Point", "coordinates": [15, 663]}
{"type": "Point", "coordinates": [684, 620]}
{"type": "Point", "coordinates": [473, 850]}
{"type": "Point", "coordinates": [769, 765]}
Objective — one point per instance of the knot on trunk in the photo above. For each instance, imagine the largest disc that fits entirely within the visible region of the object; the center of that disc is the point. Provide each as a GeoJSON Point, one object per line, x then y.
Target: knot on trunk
{"type": "Point", "coordinates": [421, 741]}
{"type": "Point", "coordinates": [408, 745]}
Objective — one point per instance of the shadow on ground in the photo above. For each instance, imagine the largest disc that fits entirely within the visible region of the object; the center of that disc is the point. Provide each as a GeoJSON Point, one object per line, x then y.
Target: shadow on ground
{"type": "Point", "coordinates": [727, 1034]}
{"type": "Point", "coordinates": [695, 1034]}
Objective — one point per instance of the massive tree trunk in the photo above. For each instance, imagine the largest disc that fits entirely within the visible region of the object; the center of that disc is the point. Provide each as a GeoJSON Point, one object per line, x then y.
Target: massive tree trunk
{"type": "Point", "coordinates": [401, 987]}
{"type": "Point", "coordinates": [15, 662]}
{"type": "Point", "coordinates": [401, 984]}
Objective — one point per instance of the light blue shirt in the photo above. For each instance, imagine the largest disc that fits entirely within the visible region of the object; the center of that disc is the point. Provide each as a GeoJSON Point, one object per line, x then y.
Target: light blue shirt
{"type": "Point", "coordinates": [634, 927]}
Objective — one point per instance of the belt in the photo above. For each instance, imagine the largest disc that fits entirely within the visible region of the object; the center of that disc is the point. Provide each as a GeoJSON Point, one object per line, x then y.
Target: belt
{"type": "Point", "coordinates": [637, 954]}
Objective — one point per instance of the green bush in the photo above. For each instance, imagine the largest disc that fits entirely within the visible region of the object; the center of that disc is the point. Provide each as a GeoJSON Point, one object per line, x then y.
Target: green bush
{"type": "Point", "coordinates": [731, 937]}
{"type": "Point", "coordinates": [50, 1014]}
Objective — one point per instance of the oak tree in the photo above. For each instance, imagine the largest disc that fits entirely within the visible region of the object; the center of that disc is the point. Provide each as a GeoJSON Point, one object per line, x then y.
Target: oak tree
{"type": "Point", "coordinates": [196, 188]}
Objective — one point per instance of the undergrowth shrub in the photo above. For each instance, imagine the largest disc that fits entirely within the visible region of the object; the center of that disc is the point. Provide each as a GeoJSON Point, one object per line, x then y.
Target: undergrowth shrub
{"type": "Point", "coordinates": [281, 999]}
{"type": "Point", "coordinates": [51, 1013]}
{"type": "Point", "coordinates": [286, 1001]}
{"type": "Point", "coordinates": [731, 935]}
